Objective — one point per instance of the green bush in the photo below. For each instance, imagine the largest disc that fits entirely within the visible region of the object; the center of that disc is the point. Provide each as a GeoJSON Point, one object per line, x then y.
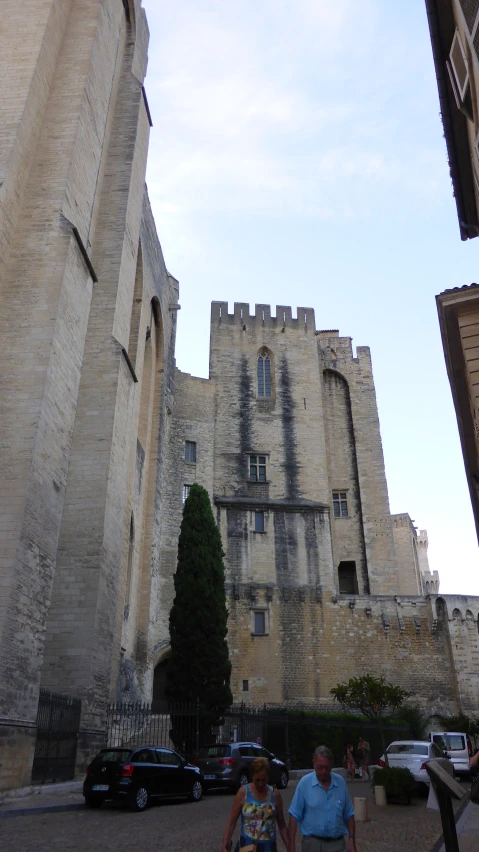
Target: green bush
{"type": "Point", "coordinates": [398, 783]}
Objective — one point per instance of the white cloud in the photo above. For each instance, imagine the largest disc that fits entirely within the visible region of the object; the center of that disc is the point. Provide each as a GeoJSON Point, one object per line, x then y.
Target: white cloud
{"type": "Point", "coordinates": [281, 108]}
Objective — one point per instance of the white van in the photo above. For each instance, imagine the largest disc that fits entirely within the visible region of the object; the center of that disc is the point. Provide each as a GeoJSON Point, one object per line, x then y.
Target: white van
{"type": "Point", "coordinates": [458, 747]}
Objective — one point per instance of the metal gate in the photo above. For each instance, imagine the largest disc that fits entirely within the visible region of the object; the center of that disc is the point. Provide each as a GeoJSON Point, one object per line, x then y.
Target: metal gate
{"type": "Point", "coordinates": [58, 722]}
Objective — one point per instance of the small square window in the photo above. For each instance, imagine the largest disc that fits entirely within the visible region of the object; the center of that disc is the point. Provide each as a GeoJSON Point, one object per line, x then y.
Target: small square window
{"type": "Point", "coordinates": [340, 504]}
{"type": "Point", "coordinates": [190, 451]}
{"type": "Point", "coordinates": [245, 686]}
{"type": "Point", "coordinates": [186, 491]}
{"type": "Point", "coordinates": [257, 468]}
{"type": "Point", "coordinates": [260, 622]}
{"type": "Point", "coordinates": [259, 522]}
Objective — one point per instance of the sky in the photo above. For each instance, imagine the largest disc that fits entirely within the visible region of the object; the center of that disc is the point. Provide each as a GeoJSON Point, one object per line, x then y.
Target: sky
{"type": "Point", "coordinates": [297, 157]}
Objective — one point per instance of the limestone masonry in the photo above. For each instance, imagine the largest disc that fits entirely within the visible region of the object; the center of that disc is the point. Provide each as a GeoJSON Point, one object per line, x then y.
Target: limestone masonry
{"type": "Point", "coordinates": [101, 435]}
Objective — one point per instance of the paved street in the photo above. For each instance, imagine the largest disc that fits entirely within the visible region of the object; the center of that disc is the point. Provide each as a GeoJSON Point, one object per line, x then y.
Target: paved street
{"type": "Point", "coordinates": [181, 826]}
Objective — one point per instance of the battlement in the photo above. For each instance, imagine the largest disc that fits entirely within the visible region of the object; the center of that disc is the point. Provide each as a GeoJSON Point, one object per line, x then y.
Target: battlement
{"type": "Point", "coordinates": [262, 317]}
{"type": "Point", "coordinates": [430, 582]}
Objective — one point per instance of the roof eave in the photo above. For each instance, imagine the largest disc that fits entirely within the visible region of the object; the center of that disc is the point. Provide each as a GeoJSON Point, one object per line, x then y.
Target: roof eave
{"type": "Point", "coordinates": [454, 124]}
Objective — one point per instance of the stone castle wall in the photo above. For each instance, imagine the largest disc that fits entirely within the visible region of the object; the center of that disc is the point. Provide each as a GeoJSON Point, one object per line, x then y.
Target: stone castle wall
{"type": "Point", "coordinates": [88, 330]}
{"type": "Point", "coordinates": [94, 418]}
{"type": "Point", "coordinates": [319, 432]}
{"type": "Point", "coordinates": [405, 543]}
{"type": "Point", "coordinates": [313, 643]}
{"type": "Point", "coordinates": [460, 613]}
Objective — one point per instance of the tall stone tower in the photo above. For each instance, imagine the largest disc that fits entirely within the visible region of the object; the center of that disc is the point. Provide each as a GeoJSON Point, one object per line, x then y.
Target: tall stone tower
{"type": "Point", "coordinates": [430, 579]}
{"type": "Point", "coordinates": [312, 418]}
{"type": "Point", "coordinates": [87, 335]}
{"type": "Point", "coordinates": [285, 436]}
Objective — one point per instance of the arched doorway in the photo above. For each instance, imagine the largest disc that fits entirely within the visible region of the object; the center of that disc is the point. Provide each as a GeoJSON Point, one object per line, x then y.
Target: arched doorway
{"type": "Point", "coordinates": [159, 703]}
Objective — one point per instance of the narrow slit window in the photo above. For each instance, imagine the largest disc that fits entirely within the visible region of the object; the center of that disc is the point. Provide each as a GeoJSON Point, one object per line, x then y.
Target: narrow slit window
{"type": "Point", "coordinates": [257, 468]}
{"type": "Point", "coordinates": [129, 574]}
{"type": "Point", "coordinates": [264, 376]}
{"type": "Point", "coordinates": [186, 491]}
{"type": "Point", "coordinates": [245, 686]}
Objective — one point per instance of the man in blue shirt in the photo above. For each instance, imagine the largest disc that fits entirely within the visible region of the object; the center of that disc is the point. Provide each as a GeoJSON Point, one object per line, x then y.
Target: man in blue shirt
{"type": "Point", "coordinates": [323, 808]}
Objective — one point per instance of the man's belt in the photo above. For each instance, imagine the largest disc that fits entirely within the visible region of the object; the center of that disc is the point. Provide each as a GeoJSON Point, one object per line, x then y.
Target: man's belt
{"type": "Point", "coordinates": [327, 839]}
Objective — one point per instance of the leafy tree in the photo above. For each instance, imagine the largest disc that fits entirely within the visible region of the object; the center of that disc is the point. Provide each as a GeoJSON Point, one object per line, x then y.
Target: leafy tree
{"type": "Point", "coordinates": [466, 724]}
{"type": "Point", "coordinates": [199, 667]}
{"type": "Point", "coordinates": [372, 696]}
{"type": "Point", "coordinates": [415, 720]}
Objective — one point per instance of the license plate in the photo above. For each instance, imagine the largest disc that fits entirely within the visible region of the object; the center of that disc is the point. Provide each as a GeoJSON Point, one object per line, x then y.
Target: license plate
{"type": "Point", "coordinates": [97, 788]}
{"type": "Point", "coordinates": [209, 777]}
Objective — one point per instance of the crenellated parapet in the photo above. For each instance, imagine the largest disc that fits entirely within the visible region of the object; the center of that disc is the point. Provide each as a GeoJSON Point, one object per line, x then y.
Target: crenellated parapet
{"type": "Point", "coordinates": [430, 582]}
{"type": "Point", "coordinates": [262, 317]}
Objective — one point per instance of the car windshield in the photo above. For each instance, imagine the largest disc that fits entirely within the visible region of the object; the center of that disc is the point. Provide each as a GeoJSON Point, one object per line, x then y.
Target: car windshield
{"type": "Point", "coordinates": [112, 756]}
{"type": "Point", "coordinates": [213, 751]}
{"type": "Point", "coordinates": [408, 748]}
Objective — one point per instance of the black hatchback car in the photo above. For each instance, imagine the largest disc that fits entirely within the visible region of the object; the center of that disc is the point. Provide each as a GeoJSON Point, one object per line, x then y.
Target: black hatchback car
{"type": "Point", "coordinates": [135, 776]}
{"type": "Point", "coordinates": [228, 765]}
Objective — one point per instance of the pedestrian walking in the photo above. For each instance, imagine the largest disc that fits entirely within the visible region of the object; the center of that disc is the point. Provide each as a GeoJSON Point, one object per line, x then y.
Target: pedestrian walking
{"type": "Point", "coordinates": [323, 809]}
{"type": "Point", "coordinates": [350, 762]}
{"type": "Point", "coordinates": [363, 752]}
{"type": "Point", "coordinates": [261, 809]}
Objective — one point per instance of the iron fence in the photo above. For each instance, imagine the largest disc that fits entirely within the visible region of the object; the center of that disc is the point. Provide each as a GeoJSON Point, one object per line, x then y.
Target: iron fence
{"type": "Point", "coordinates": [291, 734]}
{"type": "Point", "coordinates": [180, 726]}
{"type": "Point", "coordinates": [58, 723]}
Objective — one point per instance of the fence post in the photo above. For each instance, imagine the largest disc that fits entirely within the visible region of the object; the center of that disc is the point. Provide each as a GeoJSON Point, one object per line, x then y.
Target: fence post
{"type": "Point", "coordinates": [197, 725]}
{"type": "Point", "coordinates": [263, 729]}
{"type": "Point", "coordinates": [286, 737]}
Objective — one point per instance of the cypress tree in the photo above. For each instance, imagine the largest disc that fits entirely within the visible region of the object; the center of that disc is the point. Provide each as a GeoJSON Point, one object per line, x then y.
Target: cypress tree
{"type": "Point", "coordinates": [199, 667]}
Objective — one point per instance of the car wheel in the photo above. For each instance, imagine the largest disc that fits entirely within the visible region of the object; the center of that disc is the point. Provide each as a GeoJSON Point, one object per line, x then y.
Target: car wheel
{"type": "Point", "coordinates": [243, 779]}
{"type": "Point", "coordinates": [140, 799]}
{"type": "Point", "coordinates": [94, 801]}
{"type": "Point", "coordinates": [283, 779]}
{"type": "Point", "coordinates": [196, 791]}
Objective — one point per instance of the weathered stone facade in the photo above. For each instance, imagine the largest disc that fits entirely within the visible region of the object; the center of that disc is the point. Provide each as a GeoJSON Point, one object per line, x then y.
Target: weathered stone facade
{"type": "Point", "coordinates": [87, 328]}
{"type": "Point", "coordinates": [101, 435]}
{"type": "Point", "coordinates": [335, 595]}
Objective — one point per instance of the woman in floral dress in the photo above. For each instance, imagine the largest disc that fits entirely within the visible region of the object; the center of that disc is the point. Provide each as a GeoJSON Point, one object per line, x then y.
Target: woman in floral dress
{"type": "Point", "coordinates": [350, 762]}
{"type": "Point", "coordinates": [261, 808]}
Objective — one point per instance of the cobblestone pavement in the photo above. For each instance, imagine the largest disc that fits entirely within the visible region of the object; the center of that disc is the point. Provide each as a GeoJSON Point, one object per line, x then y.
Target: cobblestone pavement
{"type": "Point", "coordinates": [469, 838]}
{"type": "Point", "coordinates": [180, 827]}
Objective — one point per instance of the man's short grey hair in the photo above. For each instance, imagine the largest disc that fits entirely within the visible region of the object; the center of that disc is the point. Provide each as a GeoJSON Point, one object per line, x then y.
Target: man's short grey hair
{"type": "Point", "coordinates": [323, 751]}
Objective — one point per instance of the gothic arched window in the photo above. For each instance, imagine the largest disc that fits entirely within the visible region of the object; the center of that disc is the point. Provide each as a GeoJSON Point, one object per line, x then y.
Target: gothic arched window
{"type": "Point", "coordinates": [264, 374]}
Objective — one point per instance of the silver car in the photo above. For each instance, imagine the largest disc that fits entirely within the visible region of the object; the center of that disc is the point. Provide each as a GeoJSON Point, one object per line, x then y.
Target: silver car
{"type": "Point", "coordinates": [413, 755]}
